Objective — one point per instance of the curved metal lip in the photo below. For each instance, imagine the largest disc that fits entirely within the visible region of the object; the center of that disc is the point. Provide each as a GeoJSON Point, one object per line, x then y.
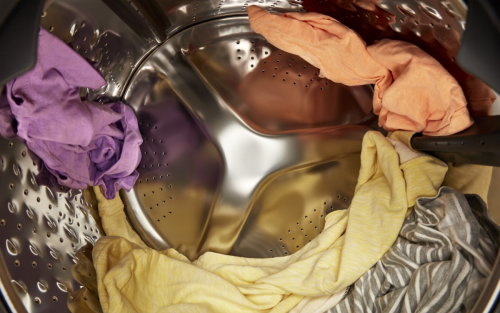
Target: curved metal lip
{"type": "Point", "coordinates": [180, 28]}
{"type": "Point", "coordinates": [487, 300]}
{"type": "Point", "coordinates": [485, 303]}
{"type": "Point", "coordinates": [12, 300]}
{"type": "Point", "coordinates": [173, 32]}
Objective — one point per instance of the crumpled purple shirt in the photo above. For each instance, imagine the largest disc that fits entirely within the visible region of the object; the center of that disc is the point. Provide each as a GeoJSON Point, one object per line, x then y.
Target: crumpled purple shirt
{"type": "Point", "coordinates": [81, 142]}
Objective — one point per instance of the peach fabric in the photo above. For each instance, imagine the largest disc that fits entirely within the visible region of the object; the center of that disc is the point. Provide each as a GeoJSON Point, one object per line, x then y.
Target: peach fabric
{"type": "Point", "coordinates": [413, 91]}
{"type": "Point", "coordinates": [479, 95]}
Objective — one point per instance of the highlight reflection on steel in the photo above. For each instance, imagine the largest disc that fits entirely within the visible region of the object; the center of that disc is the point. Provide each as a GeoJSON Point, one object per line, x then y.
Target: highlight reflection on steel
{"type": "Point", "coordinates": [236, 130]}
{"type": "Point", "coordinates": [186, 171]}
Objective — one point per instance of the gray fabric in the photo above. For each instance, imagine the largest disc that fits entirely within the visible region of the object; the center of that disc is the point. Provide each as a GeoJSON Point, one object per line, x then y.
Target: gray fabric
{"type": "Point", "coordinates": [439, 263]}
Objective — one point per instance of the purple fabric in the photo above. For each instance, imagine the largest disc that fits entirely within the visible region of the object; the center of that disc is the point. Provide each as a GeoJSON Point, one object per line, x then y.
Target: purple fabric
{"type": "Point", "coordinates": [81, 142]}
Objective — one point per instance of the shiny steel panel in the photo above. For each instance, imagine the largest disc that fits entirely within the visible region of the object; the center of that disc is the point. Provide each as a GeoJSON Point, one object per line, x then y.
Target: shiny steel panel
{"type": "Point", "coordinates": [205, 113]}
{"type": "Point", "coordinates": [42, 226]}
{"type": "Point", "coordinates": [266, 136]}
{"type": "Point", "coordinates": [183, 14]}
{"type": "Point", "coordinates": [97, 34]}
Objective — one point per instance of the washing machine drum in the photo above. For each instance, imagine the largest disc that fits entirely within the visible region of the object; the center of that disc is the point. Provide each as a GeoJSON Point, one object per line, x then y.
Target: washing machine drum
{"type": "Point", "coordinates": [246, 149]}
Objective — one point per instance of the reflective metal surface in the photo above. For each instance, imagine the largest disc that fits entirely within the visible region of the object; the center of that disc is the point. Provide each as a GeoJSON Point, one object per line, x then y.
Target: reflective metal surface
{"type": "Point", "coordinates": [145, 17]}
{"type": "Point", "coordinates": [42, 225]}
{"type": "Point", "coordinates": [183, 14]}
{"type": "Point", "coordinates": [245, 145]}
{"type": "Point", "coordinates": [233, 161]}
{"type": "Point", "coordinates": [99, 35]}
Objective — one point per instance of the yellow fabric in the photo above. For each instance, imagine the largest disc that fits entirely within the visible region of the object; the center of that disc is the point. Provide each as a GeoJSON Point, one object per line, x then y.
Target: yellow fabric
{"type": "Point", "coordinates": [403, 136]}
{"type": "Point", "coordinates": [114, 220]}
{"type": "Point", "coordinates": [84, 300]}
{"type": "Point", "coordinates": [132, 278]}
{"type": "Point", "coordinates": [401, 142]}
{"type": "Point", "coordinates": [318, 304]}
{"type": "Point", "coordinates": [466, 178]}
{"type": "Point", "coordinates": [469, 179]}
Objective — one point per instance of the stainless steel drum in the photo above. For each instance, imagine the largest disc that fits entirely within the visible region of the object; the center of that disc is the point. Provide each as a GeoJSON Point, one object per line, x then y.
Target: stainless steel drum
{"type": "Point", "coordinates": [245, 148]}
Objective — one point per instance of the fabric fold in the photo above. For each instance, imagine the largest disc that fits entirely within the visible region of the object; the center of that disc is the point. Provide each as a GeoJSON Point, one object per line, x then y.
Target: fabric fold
{"type": "Point", "coordinates": [319, 304]}
{"type": "Point", "coordinates": [130, 275]}
{"type": "Point", "coordinates": [439, 263]}
{"type": "Point", "coordinates": [80, 142]}
{"type": "Point", "coordinates": [413, 91]}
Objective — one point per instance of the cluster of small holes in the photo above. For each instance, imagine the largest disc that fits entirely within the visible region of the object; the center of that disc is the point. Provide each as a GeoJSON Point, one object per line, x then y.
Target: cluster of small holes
{"type": "Point", "coordinates": [30, 211]}
{"type": "Point", "coordinates": [299, 228]}
{"type": "Point", "coordinates": [295, 73]}
{"type": "Point", "coordinates": [147, 128]}
{"type": "Point", "coordinates": [195, 8]}
{"type": "Point", "coordinates": [245, 5]}
{"type": "Point", "coordinates": [221, 2]}
{"type": "Point", "coordinates": [273, 4]}
{"type": "Point", "coordinates": [93, 44]}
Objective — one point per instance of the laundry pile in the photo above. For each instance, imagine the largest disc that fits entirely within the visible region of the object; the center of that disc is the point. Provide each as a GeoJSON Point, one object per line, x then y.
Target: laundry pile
{"type": "Point", "coordinates": [446, 242]}
{"type": "Point", "coordinates": [417, 236]}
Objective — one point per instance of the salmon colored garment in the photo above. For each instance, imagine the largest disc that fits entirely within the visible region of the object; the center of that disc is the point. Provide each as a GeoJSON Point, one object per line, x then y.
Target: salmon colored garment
{"type": "Point", "coordinates": [412, 90]}
{"type": "Point", "coordinates": [478, 94]}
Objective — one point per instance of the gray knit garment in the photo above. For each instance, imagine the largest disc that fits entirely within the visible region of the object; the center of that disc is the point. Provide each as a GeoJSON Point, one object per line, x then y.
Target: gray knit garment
{"type": "Point", "coordinates": [439, 263]}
